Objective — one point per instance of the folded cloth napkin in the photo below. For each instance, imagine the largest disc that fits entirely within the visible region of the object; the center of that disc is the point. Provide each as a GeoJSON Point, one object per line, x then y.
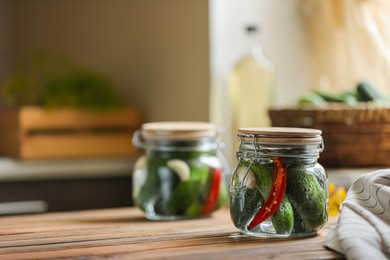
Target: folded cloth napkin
{"type": "Point", "coordinates": [363, 228]}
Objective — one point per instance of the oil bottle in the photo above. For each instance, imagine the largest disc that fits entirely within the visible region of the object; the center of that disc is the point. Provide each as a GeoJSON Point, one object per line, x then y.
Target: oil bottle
{"type": "Point", "coordinates": [251, 84]}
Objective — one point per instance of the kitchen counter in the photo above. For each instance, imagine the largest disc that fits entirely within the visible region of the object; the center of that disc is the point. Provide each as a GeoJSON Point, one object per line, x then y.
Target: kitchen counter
{"type": "Point", "coordinates": [12, 170]}
{"type": "Point", "coordinates": [124, 233]}
{"type": "Point", "coordinates": [80, 184]}
{"type": "Point", "coordinates": [63, 185]}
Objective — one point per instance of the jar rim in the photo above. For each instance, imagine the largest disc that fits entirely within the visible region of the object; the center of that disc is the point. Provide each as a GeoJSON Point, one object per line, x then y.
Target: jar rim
{"type": "Point", "coordinates": [280, 135]}
{"type": "Point", "coordinates": [178, 130]}
{"type": "Point", "coordinates": [281, 131]}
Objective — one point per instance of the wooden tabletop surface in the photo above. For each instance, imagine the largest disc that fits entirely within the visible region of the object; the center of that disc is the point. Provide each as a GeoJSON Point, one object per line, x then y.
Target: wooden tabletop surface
{"type": "Point", "coordinates": [125, 234]}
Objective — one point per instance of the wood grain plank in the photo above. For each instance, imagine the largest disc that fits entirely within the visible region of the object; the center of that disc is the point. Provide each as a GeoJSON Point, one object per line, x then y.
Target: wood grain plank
{"type": "Point", "coordinates": [37, 118]}
{"type": "Point", "coordinates": [76, 146]}
{"type": "Point", "coordinates": [35, 133]}
{"type": "Point", "coordinates": [125, 233]}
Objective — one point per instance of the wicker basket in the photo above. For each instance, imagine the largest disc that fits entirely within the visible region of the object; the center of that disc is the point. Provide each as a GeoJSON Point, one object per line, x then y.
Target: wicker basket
{"type": "Point", "coordinates": [353, 136]}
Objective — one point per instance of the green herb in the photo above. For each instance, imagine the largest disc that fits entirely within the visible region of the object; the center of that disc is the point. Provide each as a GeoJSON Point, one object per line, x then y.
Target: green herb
{"type": "Point", "coordinates": [79, 89]}
{"type": "Point", "coordinates": [53, 81]}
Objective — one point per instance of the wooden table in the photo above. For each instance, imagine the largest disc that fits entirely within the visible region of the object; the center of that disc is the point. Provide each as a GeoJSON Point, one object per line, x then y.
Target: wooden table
{"type": "Point", "coordinates": [125, 234]}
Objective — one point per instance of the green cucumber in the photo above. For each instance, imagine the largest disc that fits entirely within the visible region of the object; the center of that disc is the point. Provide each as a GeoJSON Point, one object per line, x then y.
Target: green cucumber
{"type": "Point", "coordinates": [283, 218]}
{"type": "Point", "coordinates": [349, 98]}
{"type": "Point", "coordinates": [367, 92]}
{"type": "Point", "coordinates": [307, 197]}
{"type": "Point", "coordinates": [328, 97]}
{"type": "Point", "coordinates": [183, 197]}
{"type": "Point", "coordinates": [244, 203]}
{"type": "Point", "coordinates": [312, 99]}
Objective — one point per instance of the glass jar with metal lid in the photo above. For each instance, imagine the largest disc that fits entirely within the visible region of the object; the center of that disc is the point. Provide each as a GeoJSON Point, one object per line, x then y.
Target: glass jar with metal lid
{"type": "Point", "coordinates": [181, 174]}
{"type": "Point", "coordinates": [278, 189]}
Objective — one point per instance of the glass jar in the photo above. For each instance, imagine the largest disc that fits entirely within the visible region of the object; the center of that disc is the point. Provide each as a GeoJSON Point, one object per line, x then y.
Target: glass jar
{"type": "Point", "coordinates": [278, 188]}
{"type": "Point", "coordinates": [181, 174]}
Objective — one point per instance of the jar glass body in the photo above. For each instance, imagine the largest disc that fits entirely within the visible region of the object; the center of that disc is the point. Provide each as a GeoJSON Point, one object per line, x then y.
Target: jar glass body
{"type": "Point", "coordinates": [255, 187]}
{"type": "Point", "coordinates": [179, 179]}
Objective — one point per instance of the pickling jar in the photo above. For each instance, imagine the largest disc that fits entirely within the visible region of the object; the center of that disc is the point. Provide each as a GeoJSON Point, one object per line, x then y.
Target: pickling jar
{"type": "Point", "coordinates": [181, 174]}
{"type": "Point", "coordinates": [278, 188]}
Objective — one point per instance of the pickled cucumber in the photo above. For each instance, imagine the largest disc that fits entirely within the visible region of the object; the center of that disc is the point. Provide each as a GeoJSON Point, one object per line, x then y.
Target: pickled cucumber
{"type": "Point", "coordinates": [307, 197]}
{"type": "Point", "coordinates": [167, 192]}
{"type": "Point", "coordinates": [283, 218]}
{"type": "Point", "coordinates": [244, 204]}
{"type": "Point", "coordinates": [303, 208]}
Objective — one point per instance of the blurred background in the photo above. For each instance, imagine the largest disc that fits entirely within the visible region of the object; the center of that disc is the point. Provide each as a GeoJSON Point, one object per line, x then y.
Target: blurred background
{"type": "Point", "coordinates": [152, 51]}
{"type": "Point", "coordinates": [171, 60]}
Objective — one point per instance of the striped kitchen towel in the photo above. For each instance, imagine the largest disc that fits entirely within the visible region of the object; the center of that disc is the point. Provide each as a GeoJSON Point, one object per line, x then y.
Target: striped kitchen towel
{"type": "Point", "coordinates": [363, 228]}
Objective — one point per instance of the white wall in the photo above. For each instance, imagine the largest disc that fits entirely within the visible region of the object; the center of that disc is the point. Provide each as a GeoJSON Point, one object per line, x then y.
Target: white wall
{"type": "Point", "coordinates": [283, 41]}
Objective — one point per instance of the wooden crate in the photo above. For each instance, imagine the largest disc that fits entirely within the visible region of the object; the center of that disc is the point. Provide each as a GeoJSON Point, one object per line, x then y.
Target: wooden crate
{"type": "Point", "coordinates": [33, 133]}
{"type": "Point", "coordinates": [353, 137]}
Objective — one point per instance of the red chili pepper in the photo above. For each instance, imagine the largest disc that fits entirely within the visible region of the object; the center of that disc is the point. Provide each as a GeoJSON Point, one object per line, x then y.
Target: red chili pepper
{"type": "Point", "coordinates": [275, 197]}
{"type": "Point", "coordinates": [216, 175]}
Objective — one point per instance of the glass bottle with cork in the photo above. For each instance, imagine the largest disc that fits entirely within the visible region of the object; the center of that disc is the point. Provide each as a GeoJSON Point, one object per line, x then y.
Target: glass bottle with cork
{"type": "Point", "coordinates": [251, 84]}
